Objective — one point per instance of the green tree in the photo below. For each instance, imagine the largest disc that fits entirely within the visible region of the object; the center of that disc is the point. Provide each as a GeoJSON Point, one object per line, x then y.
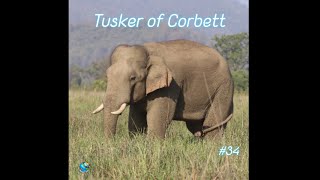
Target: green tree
{"type": "Point", "coordinates": [99, 85]}
{"type": "Point", "coordinates": [97, 69]}
{"type": "Point", "coordinates": [97, 72]}
{"type": "Point", "coordinates": [235, 49]}
{"type": "Point", "coordinates": [241, 80]}
{"type": "Point", "coordinates": [75, 79]}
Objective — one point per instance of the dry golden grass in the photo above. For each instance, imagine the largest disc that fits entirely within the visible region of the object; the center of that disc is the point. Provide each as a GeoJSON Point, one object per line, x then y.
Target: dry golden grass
{"type": "Point", "coordinates": [179, 156]}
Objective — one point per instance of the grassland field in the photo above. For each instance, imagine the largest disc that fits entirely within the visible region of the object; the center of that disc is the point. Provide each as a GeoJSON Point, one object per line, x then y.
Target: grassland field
{"type": "Point", "coordinates": [178, 156]}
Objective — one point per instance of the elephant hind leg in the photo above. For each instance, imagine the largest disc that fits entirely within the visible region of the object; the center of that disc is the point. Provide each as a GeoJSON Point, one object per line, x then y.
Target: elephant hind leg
{"type": "Point", "coordinates": [137, 123]}
{"type": "Point", "coordinates": [194, 127]}
{"type": "Point", "coordinates": [220, 109]}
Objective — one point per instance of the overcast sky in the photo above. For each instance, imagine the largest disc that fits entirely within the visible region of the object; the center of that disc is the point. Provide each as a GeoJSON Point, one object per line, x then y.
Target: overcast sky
{"type": "Point", "coordinates": [245, 2]}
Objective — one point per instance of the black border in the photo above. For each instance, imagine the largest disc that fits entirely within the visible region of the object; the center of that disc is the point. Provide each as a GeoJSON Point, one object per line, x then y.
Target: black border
{"type": "Point", "coordinates": [38, 133]}
{"type": "Point", "coordinates": [43, 100]}
{"type": "Point", "coordinates": [258, 141]}
{"type": "Point", "coordinates": [272, 149]}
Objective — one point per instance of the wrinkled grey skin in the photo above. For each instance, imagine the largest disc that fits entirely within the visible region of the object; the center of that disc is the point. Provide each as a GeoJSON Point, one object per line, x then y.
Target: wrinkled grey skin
{"type": "Point", "coordinates": [165, 81]}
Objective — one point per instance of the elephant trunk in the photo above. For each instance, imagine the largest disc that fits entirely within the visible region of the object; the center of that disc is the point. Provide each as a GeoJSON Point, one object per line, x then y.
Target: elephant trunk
{"type": "Point", "coordinates": [113, 106]}
{"type": "Point", "coordinates": [110, 117]}
{"type": "Point", "coordinates": [110, 122]}
{"type": "Point", "coordinates": [116, 99]}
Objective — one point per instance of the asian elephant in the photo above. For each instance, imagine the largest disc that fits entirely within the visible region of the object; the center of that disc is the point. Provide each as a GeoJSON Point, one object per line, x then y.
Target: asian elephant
{"type": "Point", "coordinates": [164, 81]}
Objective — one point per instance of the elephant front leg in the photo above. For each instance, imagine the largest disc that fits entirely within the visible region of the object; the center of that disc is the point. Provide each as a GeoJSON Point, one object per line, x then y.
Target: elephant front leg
{"type": "Point", "coordinates": [137, 122]}
{"type": "Point", "coordinates": [160, 113]}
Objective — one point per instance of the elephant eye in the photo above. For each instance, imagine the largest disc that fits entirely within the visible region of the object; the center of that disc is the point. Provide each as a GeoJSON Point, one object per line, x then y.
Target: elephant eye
{"type": "Point", "coordinates": [132, 78]}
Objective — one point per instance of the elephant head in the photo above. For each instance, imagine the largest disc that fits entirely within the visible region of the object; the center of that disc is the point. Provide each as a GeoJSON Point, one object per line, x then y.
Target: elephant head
{"type": "Point", "coordinates": [133, 74]}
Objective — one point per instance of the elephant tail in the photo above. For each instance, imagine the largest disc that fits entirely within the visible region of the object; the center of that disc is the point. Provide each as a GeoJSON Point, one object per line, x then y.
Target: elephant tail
{"type": "Point", "coordinates": [218, 125]}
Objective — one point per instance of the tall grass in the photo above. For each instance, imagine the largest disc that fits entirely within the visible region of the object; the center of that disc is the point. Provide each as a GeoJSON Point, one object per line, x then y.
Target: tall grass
{"type": "Point", "coordinates": [179, 156]}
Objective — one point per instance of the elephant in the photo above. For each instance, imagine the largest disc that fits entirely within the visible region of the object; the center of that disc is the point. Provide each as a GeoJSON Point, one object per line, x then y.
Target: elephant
{"type": "Point", "coordinates": [178, 80]}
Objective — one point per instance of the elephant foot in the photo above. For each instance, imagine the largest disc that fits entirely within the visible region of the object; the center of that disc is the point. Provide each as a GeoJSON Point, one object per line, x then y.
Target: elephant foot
{"type": "Point", "coordinates": [198, 134]}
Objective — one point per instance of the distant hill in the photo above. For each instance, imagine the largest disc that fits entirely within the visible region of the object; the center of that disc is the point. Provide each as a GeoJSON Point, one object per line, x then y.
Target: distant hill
{"type": "Point", "coordinates": [89, 44]}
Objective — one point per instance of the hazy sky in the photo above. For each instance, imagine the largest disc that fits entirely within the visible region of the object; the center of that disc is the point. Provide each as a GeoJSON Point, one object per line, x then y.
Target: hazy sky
{"type": "Point", "coordinates": [102, 40]}
{"type": "Point", "coordinates": [84, 10]}
{"type": "Point", "coordinates": [245, 2]}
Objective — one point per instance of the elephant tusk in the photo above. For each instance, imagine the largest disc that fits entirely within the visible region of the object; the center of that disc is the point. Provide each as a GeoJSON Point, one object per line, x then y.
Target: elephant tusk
{"type": "Point", "coordinates": [120, 110]}
{"type": "Point", "coordinates": [98, 109]}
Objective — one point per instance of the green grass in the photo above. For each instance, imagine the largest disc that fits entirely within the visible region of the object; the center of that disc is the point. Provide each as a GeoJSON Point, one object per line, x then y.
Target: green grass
{"type": "Point", "coordinates": [179, 156]}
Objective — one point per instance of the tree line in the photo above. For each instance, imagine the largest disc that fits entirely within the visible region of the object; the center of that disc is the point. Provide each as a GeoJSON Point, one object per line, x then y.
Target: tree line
{"type": "Point", "coordinates": [234, 48]}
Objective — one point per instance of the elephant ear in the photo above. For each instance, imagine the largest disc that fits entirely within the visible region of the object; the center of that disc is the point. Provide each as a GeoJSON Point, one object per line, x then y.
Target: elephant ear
{"type": "Point", "coordinates": [159, 76]}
